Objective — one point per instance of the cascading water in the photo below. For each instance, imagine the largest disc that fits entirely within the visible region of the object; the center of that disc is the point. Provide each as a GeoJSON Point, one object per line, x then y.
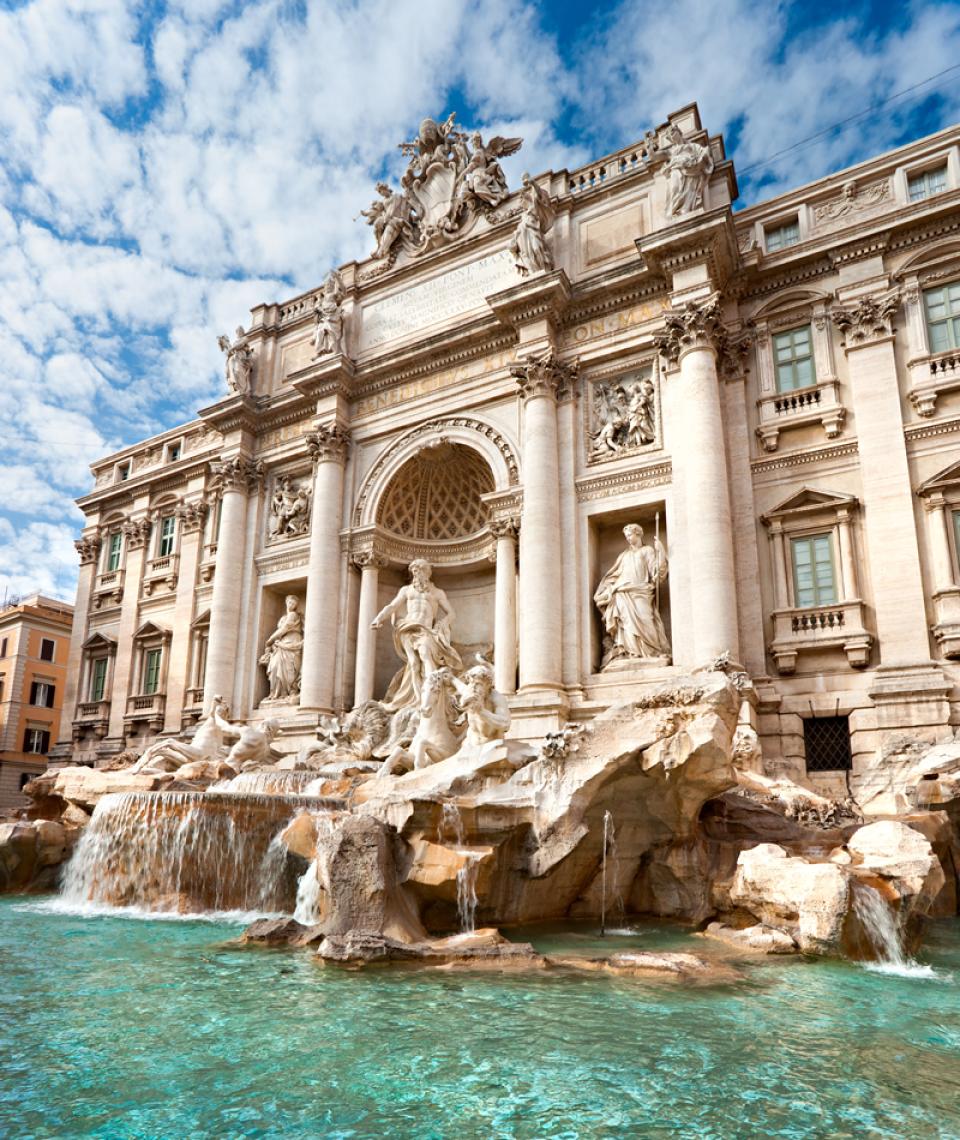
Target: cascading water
{"type": "Point", "coordinates": [267, 783]}
{"type": "Point", "coordinates": [185, 852]}
{"type": "Point", "coordinates": [609, 884]}
{"type": "Point", "coordinates": [879, 924]}
{"type": "Point", "coordinates": [451, 827]}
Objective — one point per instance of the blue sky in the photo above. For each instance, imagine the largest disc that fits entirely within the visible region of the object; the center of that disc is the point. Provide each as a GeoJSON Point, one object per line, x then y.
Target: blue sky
{"type": "Point", "coordinates": [164, 167]}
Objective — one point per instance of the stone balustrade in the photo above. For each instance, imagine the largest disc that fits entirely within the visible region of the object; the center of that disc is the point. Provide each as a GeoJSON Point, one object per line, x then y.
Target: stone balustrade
{"type": "Point", "coordinates": [818, 628]}
{"type": "Point", "coordinates": [815, 404]}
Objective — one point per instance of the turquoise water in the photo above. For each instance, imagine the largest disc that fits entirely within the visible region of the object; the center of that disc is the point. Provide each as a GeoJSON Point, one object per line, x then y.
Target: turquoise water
{"type": "Point", "coordinates": [118, 1027]}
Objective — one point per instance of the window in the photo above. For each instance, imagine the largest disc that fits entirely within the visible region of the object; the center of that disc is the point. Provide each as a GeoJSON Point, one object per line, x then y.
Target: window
{"type": "Point", "coordinates": [928, 183]}
{"type": "Point", "coordinates": [47, 648]}
{"type": "Point", "coordinates": [36, 740]}
{"type": "Point", "coordinates": [814, 581]}
{"type": "Point", "coordinates": [826, 741]}
{"type": "Point", "coordinates": [123, 472]}
{"type": "Point", "coordinates": [3, 648]}
{"type": "Point", "coordinates": [98, 679]}
{"type": "Point", "coordinates": [168, 527]}
{"type": "Point", "coordinates": [173, 452]}
{"type": "Point", "coordinates": [151, 671]}
{"type": "Point", "coordinates": [114, 548]}
{"type": "Point", "coordinates": [779, 237]}
{"type": "Point", "coordinates": [42, 694]}
{"type": "Point", "coordinates": [943, 316]}
{"type": "Point", "coordinates": [793, 358]}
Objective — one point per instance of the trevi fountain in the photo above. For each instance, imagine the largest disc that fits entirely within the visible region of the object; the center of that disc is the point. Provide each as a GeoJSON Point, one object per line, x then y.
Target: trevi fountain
{"type": "Point", "coordinates": [455, 909]}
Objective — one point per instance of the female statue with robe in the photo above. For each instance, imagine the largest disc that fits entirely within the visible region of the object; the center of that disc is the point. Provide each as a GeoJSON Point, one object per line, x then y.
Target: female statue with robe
{"type": "Point", "coordinates": [627, 600]}
{"type": "Point", "coordinates": [283, 652]}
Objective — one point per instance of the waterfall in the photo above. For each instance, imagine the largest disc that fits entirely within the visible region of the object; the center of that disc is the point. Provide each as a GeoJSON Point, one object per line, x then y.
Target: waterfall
{"type": "Point", "coordinates": [307, 909]}
{"type": "Point", "coordinates": [451, 824]}
{"type": "Point", "coordinates": [185, 852]}
{"type": "Point", "coordinates": [879, 923]}
{"type": "Point", "coordinates": [467, 891]}
{"type": "Point", "coordinates": [609, 851]}
{"type": "Point", "coordinates": [269, 783]}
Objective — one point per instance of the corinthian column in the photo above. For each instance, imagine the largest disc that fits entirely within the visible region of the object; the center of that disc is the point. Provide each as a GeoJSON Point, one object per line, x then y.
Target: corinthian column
{"type": "Point", "coordinates": [235, 478]}
{"type": "Point", "coordinates": [370, 565]}
{"type": "Point", "coordinates": [541, 380]}
{"type": "Point", "coordinates": [328, 445]}
{"type": "Point", "coordinates": [505, 616]}
{"type": "Point", "coordinates": [700, 468]}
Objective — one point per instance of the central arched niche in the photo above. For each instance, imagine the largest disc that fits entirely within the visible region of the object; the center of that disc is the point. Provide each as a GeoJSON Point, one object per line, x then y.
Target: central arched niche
{"type": "Point", "coordinates": [434, 502]}
{"type": "Point", "coordinates": [436, 495]}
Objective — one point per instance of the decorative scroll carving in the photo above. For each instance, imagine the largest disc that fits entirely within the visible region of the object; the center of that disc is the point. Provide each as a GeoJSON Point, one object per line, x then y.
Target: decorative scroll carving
{"type": "Point", "coordinates": [693, 326]}
{"type": "Point", "coordinates": [545, 375]}
{"type": "Point", "coordinates": [328, 443]}
{"type": "Point", "coordinates": [88, 547]}
{"type": "Point", "coordinates": [191, 515]}
{"type": "Point", "coordinates": [236, 474]}
{"type": "Point", "coordinates": [289, 509]}
{"type": "Point", "coordinates": [869, 319]}
{"type": "Point", "coordinates": [137, 532]}
{"type": "Point", "coordinates": [239, 362]}
{"type": "Point", "coordinates": [624, 415]}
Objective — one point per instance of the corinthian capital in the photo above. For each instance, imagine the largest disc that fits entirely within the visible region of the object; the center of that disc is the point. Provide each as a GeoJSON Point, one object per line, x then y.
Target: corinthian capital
{"type": "Point", "coordinates": [328, 443]}
{"type": "Point", "coordinates": [869, 319]}
{"type": "Point", "coordinates": [696, 325]}
{"type": "Point", "coordinates": [137, 531]}
{"type": "Point", "coordinates": [88, 548]}
{"type": "Point", "coordinates": [544, 375]}
{"type": "Point", "coordinates": [191, 515]}
{"type": "Point", "coordinates": [237, 474]}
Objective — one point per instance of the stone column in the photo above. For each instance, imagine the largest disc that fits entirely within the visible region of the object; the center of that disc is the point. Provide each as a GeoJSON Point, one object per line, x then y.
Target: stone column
{"type": "Point", "coordinates": [700, 451]}
{"type": "Point", "coordinates": [891, 532]}
{"type": "Point", "coordinates": [505, 616]}
{"type": "Point", "coordinates": [940, 557]}
{"type": "Point", "coordinates": [541, 380]}
{"type": "Point", "coordinates": [191, 516]}
{"type": "Point", "coordinates": [136, 536]}
{"type": "Point", "coordinates": [88, 548]}
{"type": "Point", "coordinates": [235, 479]}
{"type": "Point", "coordinates": [321, 643]}
{"type": "Point", "coordinates": [780, 584]}
{"type": "Point", "coordinates": [370, 565]}
{"type": "Point", "coordinates": [848, 563]}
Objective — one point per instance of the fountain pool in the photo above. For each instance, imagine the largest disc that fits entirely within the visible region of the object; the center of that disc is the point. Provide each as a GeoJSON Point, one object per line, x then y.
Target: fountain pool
{"type": "Point", "coordinates": [113, 1026]}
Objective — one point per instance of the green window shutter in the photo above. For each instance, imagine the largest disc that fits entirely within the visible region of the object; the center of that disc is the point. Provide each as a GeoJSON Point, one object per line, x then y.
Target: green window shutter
{"type": "Point", "coordinates": [814, 579]}
{"type": "Point", "coordinates": [98, 683]}
{"type": "Point", "coordinates": [943, 317]}
{"type": "Point", "coordinates": [168, 528]}
{"type": "Point", "coordinates": [113, 553]}
{"type": "Point", "coordinates": [151, 671]}
{"type": "Point", "coordinates": [793, 358]}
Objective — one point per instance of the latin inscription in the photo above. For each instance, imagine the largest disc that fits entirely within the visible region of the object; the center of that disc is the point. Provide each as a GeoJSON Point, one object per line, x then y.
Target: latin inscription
{"type": "Point", "coordinates": [450, 376]}
{"type": "Point", "coordinates": [432, 302]}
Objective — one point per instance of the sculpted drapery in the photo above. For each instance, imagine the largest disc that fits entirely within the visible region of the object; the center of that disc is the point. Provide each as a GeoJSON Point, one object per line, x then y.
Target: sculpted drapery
{"type": "Point", "coordinates": [627, 599]}
{"type": "Point", "coordinates": [283, 653]}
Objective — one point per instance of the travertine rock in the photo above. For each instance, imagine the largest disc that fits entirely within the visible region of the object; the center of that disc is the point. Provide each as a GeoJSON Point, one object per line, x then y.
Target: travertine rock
{"type": "Point", "coordinates": [484, 948]}
{"type": "Point", "coordinates": [758, 939]}
{"type": "Point", "coordinates": [896, 782]}
{"type": "Point", "coordinates": [87, 786]}
{"type": "Point", "coordinates": [29, 853]}
{"type": "Point", "coordinates": [904, 858]}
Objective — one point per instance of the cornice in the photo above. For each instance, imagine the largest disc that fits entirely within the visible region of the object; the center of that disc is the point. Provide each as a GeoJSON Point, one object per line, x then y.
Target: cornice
{"type": "Point", "coordinates": [798, 458]}
{"type": "Point", "coordinates": [618, 482]}
{"type": "Point", "coordinates": [928, 431]}
{"type": "Point", "coordinates": [161, 479]}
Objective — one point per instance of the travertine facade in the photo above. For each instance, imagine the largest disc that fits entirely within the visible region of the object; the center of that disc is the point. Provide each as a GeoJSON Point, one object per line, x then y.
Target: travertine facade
{"type": "Point", "coordinates": [514, 376]}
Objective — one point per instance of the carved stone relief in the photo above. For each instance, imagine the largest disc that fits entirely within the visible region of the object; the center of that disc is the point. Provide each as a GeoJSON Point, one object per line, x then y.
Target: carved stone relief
{"type": "Point", "coordinates": [623, 415]}
{"type": "Point", "coordinates": [289, 508]}
{"type": "Point", "coordinates": [852, 201]}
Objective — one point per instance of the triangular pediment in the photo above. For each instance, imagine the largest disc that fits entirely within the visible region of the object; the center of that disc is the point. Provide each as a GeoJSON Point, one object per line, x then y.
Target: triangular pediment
{"type": "Point", "coordinates": [808, 500]}
{"type": "Point", "coordinates": [99, 641]}
{"type": "Point", "coordinates": [948, 477]}
{"type": "Point", "coordinates": [201, 621]}
{"type": "Point", "coordinates": [151, 629]}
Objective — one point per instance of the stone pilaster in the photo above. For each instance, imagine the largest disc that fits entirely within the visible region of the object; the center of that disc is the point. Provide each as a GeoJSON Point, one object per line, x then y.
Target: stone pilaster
{"type": "Point", "coordinates": [505, 614]}
{"type": "Point", "coordinates": [191, 517]}
{"type": "Point", "coordinates": [136, 536]}
{"type": "Point", "coordinates": [691, 341]}
{"type": "Point", "coordinates": [234, 480]}
{"type": "Point", "coordinates": [370, 565]}
{"type": "Point", "coordinates": [542, 380]}
{"type": "Point", "coordinates": [329, 445]}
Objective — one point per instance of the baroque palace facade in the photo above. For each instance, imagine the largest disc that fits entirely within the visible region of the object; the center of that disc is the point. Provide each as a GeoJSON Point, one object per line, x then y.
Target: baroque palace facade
{"type": "Point", "coordinates": [511, 378]}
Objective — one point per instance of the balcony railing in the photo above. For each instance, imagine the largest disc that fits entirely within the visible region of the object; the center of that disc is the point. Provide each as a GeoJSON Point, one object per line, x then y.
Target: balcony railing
{"type": "Point", "coordinates": [930, 377]}
{"type": "Point", "coordinates": [815, 404]}
{"type": "Point", "coordinates": [146, 707]}
{"type": "Point", "coordinates": [91, 716]}
{"type": "Point", "coordinates": [839, 627]}
{"type": "Point", "coordinates": [160, 574]}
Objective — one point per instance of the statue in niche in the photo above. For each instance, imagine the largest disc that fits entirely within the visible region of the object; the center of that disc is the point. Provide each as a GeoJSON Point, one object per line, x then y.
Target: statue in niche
{"type": "Point", "coordinates": [628, 599]}
{"type": "Point", "coordinates": [239, 362]}
{"type": "Point", "coordinates": [283, 653]}
{"type": "Point", "coordinates": [289, 509]}
{"type": "Point", "coordinates": [529, 249]}
{"type": "Point", "coordinates": [482, 180]}
{"type": "Point", "coordinates": [422, 617]}
{"type": "Point", "coordinates": [328, 333]}
{"type": "Point", "coordinates": [389, 216]}
{"type": "Point", "coordinates": [689, 166]}
{"type": "Point", "coordinates": [624, 412]}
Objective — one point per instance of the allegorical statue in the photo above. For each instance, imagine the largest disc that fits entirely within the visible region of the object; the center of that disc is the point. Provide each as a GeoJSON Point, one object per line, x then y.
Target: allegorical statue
{"type": "Point", "coordinates": [207, 743]}
{"type": "Point", "coordinates": [422, 617]}
{"type": "Point", "coordinates": [529, 249]}
{"type": "Point", "coordinates": [487, 711]}
{"type": "Point", "coordinates": [389, 216]}
{"type": "Point", "coordinates": [689, 166]}
{"type": "Point", "coordinates": [328, 332]}
{"type": "Point", "coordinates": [239, 363]}
{"type": "Point", "coordinates": [482, 177]}
{"type": "Point", "coordinates": [283, 652]}
{"type": "Point", "coordinates": [628, 599]}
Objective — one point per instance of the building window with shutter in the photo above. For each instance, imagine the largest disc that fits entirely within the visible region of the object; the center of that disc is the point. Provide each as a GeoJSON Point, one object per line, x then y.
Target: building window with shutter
{"type": "Point", "coordinates": [98, 679]}
{"type": "Point", "coordinates": [814, 577]}
{"type": "Point", "coordinates": [927, 183]}
{"type": "Point", "coordinates": [782, 236]}
{"type": "Point", "coordinates": [168, 530]}
{"type": "Point", "coordinates": [114, 550]}
{"type": "Point", "coordinates": [47, 649]}
{"type": "Point", "coordinates": [36, 740]}
{"type": "Point", "coordinates": [942, 307]}
{"type": "Point", "coordinates": [793, 357]}
{"type": "Point", "coordinates": [151, 671]}
{"type": "Point", "coordinates": [42, 694]}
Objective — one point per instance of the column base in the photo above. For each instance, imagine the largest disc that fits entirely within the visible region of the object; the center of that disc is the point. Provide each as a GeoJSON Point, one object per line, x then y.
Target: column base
{"type": "Point", "coordinates": [536, 710]}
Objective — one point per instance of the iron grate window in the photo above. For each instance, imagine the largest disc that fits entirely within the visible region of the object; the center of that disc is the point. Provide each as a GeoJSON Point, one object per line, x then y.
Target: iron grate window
{"type": "Point", "coordinates": [827, 743]}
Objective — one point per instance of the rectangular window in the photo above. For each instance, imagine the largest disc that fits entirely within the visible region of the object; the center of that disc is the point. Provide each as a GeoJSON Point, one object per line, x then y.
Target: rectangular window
{"type": "Point", "coordinates": [42, 694]}
{"type": "Point", "coordinates": [3, 648]}
{"type": "Point", "coordinates": [98, 679]}
{"type": "Point", "coordinates": [168, 527]}
{"type": "Point", "coordinates": [123, 472]}
{"type": "Point", "coordinates": [47, 648]}
{"type": "Point", "coordinates": [114, 549]}
{"type": "Point", "coordinates": [151, 671]}
{"type": "Point", "coordinates": [173, 452]}
{"type": "Point", "coordinates": [36, 740]}
{"type": "Point", "coordinates": [782, 236]}
{"type": "Point", "coordinates": [943, 316]}
{"type": "Point", "coordinates": [793, 356]}
{"type": "Point", "coordinates": [826, 741]}
{"type": "Point", "coordinates": [927, 184]}
{"type": "Point", "coordinates": [814, 582]}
